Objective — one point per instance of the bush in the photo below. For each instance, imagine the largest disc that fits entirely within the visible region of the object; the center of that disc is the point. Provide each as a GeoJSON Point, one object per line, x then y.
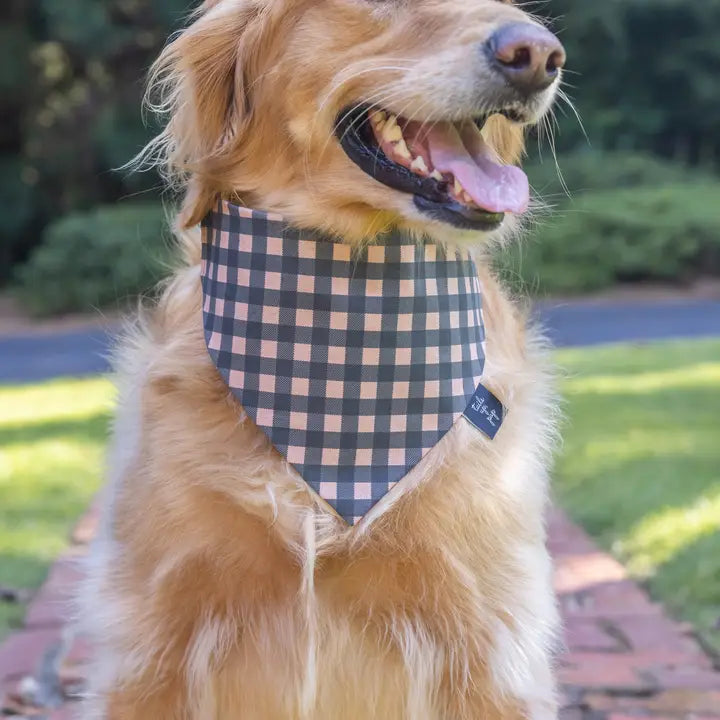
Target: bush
{"type": "Point", "coordinates": [587, 170]}
{"type": "Point", "coordinates": [645, 233]}
{"type": "Point", "coordinates": [18, 206]}
{"type": "Point", "coordinates": [622, 94]}
{"type": "Point", "coordinates": [71, 83]}
{"type": "Point", "coordinates": [96, 259]}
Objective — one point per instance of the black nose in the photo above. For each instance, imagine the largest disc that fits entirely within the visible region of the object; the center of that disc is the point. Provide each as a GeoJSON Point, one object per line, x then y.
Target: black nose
{"type": "Point", "coordinates": [528, 56]}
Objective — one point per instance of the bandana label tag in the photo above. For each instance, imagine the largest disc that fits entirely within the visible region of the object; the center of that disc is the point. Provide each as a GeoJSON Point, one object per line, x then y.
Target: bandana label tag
{"type": "Point", "coordinates": [485, 412]}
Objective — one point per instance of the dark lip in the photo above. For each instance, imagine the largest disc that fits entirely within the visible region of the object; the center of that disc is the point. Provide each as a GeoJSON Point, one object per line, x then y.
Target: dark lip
{"type": "Point", "coordinates": [430, 196]}
{"type": "Point", "coordinates": [459, 215]}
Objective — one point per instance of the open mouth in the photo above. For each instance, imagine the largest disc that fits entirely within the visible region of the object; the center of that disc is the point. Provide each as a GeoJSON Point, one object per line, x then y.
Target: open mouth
{"type": "Point", "coordinates": [453, 175]}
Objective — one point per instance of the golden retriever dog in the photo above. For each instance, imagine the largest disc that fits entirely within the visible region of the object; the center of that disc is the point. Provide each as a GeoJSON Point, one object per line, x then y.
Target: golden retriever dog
{"type": "Point", "coordinates": [220, 586]}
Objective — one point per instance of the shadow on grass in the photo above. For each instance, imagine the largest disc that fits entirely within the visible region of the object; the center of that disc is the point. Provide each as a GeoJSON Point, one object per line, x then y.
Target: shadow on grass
{"type": "Point", "coordinates": [19, 571]}
{"type": "Point", "coordinates": [628, 457]}
{"type": "Point", "coordinates": [648, 486]}
{"type": "Point", "coordinates": [26, 570]}
{"type": "Point", "coordinates": [93, 428]}
{"type": "Point", "coordinates": [689, 582]}
{"type": "Point", "coordinates": [640, 467]}
{"type": "Point", "coordinates": [638, 358]}
{"type": "Point", "coordinates": [55, 505]}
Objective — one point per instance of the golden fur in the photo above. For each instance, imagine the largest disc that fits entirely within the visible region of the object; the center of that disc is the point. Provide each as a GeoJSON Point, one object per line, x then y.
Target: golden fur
{"type": "Point", "coordinates": [220, 588]}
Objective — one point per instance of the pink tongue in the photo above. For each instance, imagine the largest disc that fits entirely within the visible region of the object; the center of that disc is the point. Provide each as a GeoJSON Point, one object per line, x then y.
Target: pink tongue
{"type": "Point", "coordinates": [494, 187]}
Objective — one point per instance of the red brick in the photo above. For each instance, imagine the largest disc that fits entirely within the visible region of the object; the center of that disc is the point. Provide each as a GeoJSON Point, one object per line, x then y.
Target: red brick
{"type": "Point", "coordinates": [688, 678]}
{"type": "Point", "coordinates": [608, 601]}
{"type": "Point", "coordinates": [663, 664]}
{"type": "Point", "coordinates": [565, 538]}
{"type": "Point", "coordinates": [666, 702]}
{"type": "Point", "coordinates": [605, 671]}
{"type": "Point", "coordinates": [22, 652]}
{"type": "Point", "coordinates": [648, 633]}
{"type": "Point", "coordinates": [86, 528]}
{"type": "Point", "coordinates": [64, 575]}
{"type": "Point", "coordinates": [685, 701]}
{"type": "Point", "coordinates": [584, 571]}
{"type": "Point", "coordinates": [568, 697]}
{"type": "Point", "coordinates": [564, 550]}
{"type": "Point", "coordinates": [52, 605]}
{"type": "Point", "coordinates": [624, 716]}
{"type": "Point", "coordinates": [571, 713]}
{"type": "Point", "coordinates": [589, 635]}
{"type": "Point", "coordinates": [600, 701]}
{"type": "Point", "coordinates": [68, 712]}
{"type": "Point", "coordinates": [47, 610]}
{"type": "Point", "coordinates": [13, 707]}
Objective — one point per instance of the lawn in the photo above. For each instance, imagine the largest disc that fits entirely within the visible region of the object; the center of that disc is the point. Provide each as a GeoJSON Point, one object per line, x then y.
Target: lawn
{"type": "Point", "coordinates": [51, 446]}
{"type": "Point", "coordinates": [640, 468]}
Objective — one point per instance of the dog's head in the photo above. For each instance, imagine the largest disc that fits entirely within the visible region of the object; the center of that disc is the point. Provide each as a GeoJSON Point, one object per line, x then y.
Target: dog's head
{"type": "Point", "coordinates": [355, 115]}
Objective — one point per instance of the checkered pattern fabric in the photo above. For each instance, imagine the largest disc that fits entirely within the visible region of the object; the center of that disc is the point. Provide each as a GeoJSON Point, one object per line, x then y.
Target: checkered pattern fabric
{"type": "Point", "coordinates": [354, 363]}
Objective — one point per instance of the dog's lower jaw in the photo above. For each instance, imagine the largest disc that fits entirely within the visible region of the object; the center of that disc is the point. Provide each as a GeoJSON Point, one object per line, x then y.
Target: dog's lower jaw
{"type": "Point", "coordinates": [361, 212]}
{"type": "Point", "coordinates": [442, 609]}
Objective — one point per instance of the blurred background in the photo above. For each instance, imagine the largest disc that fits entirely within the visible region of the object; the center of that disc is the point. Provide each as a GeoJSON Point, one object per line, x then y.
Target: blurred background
{"type": "Point", "coordinates": [644, 77]}
{"type": "Point", "coordinates": [628, 250]}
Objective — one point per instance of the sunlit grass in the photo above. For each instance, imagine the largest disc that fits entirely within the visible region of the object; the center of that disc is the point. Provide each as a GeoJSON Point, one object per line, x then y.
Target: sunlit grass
{"type": "Point", "coordinates": [640, 466]}
{"type": "Point", "coordinates": [693, 375]}
{"type": "Point", "coordinates": [52, 438]}
{"type": "Point", "coordinates": [660, 537]}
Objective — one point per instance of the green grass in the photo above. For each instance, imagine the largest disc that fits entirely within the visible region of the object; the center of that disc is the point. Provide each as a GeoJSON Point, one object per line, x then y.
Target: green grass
{"type": "Point", "coordinates": [52, 438]}
{"type": "Point", "coordinates": [640, 467]}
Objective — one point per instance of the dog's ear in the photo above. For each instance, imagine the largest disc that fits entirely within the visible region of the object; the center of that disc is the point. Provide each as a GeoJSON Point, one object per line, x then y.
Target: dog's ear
{"type": "Point", "coordinates": [202, 85]}
{"type": "Point", "coordinates": [508, 139]}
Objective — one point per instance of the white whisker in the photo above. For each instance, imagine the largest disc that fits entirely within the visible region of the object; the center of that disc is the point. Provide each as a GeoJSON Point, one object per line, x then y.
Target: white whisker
{"type": "Point", "coordinates": [568, 101]}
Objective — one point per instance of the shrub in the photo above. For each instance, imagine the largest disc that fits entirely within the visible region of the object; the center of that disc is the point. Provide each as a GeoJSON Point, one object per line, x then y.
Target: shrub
{"type": "Point", "coordinates": [645, 233]}
{"type": "Point", "coordinates": [18, 206]}
{"type": "Point", "coordinates": [587, 170]}
{"type": "Point", "coordinates": [71, 83]}
{"type": "Point", "coordinates": [96, 259]}
{"type": "Point", "coordinates": [622, 96]}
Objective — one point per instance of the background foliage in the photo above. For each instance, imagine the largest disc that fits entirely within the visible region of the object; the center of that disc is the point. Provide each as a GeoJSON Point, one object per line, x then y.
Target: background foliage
{"type": "Point", "coordinates": [644, 75]}
{"type": "Point", "coordinates": [647, 74]}
{"type": "Point", "coordinates": [71, 82]}
{"type": "Point", "coordinates": [97, 258]}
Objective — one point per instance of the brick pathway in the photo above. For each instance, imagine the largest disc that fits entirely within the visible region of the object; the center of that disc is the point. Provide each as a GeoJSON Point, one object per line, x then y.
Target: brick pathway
{"type": "Point", "coordinates": [624, 659]}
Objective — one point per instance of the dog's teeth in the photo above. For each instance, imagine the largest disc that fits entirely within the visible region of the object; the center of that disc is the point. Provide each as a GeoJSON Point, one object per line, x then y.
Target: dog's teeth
{"type": "Point", "coordinates": [419, 165]}
{"type": "Point", "coordinates": [436, 175]}
{"type": "Point", "coordinates": [401, 149]}
{"type": "Point", "coordinates": [466, 197]}
{"type": "Point", "coordinates": [378, 119]}
{"type": "Point", "coordinates": [459, 190]}
{"type": "Point", "coordinates": [391, 131]}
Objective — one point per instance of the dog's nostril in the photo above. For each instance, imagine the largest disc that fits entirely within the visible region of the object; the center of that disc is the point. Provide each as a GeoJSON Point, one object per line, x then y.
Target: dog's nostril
{"type": "Point", "coordinates": [555, 62]}
{"type": "Point", "coordinates": [521, 58]}
{"type": "Point", "coordinates": [529, 56]}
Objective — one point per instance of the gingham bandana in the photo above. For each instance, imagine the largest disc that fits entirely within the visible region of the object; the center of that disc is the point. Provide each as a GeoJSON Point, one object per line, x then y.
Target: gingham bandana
{"type": "Point", "coordinates": [354, 363]}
